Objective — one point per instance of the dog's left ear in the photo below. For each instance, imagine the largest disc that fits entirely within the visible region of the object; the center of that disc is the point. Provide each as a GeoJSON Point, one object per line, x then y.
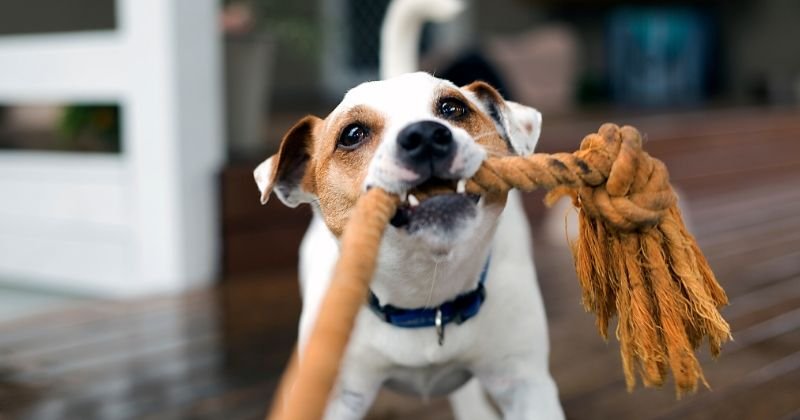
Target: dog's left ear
{"type": "Point", "coordinates": [520, 125]}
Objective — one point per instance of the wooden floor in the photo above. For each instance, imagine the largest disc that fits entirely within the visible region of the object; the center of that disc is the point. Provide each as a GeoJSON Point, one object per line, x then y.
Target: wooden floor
{"type": "Point", "coordinates": [218, 353]}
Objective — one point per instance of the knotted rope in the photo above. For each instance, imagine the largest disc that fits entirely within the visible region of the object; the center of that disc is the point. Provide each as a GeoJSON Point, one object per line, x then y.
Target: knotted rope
{"type": "Point", "coordinates": [634, 259]}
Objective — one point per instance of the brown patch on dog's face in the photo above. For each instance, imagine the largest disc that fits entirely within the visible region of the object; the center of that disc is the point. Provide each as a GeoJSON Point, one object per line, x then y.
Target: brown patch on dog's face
{"type": "Point", "coordinates": [479, 125]}
{"type": "Point", "coordinates": [338, 171]}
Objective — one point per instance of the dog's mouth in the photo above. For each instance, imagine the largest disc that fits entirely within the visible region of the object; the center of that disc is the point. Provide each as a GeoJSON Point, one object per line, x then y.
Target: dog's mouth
{"type": "Point", "coordinates": [436, 203]}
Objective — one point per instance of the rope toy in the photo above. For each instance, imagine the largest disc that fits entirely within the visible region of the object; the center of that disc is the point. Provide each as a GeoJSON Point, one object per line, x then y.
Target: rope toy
{"type": "Point", "coordinates": [634, 259]}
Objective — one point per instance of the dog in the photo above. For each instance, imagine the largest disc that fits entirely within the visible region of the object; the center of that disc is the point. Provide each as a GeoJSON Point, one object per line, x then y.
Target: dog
{"type": "Point", "coordinates": [454, 307]}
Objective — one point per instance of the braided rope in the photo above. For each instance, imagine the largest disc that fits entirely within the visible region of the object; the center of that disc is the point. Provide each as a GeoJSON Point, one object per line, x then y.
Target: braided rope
{"type": "Point", "coordinates": [318, 366]}
{"type": "Point", "coordinates": [634, 259]}
{"type": "Point", "coordinates": [615, 180]}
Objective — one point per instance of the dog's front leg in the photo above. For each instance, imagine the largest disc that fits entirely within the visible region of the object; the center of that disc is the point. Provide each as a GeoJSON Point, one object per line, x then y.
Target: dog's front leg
{"type": "Point", "coordinates": [470, 403]}
{"type": "Point", "coordinates": [525, 394]}
{"type": "Point", "coordinates": [354, 393]}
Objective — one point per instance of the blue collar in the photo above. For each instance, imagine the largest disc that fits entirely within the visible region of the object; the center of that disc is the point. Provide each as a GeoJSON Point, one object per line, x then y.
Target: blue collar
{"type": "Point", "coordinates": [458, 310]}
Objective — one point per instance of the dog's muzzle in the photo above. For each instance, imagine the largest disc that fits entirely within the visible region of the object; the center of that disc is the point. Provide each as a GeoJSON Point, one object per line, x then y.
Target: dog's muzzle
{"type": "Point", "coordinates": [427, 148]}
{"type": "Point", "coordinates": [436, 199]}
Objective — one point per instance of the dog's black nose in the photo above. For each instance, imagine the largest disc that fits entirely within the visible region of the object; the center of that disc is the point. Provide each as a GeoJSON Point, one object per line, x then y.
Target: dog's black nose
{"type": "Point", "coordinates": [426, 144]}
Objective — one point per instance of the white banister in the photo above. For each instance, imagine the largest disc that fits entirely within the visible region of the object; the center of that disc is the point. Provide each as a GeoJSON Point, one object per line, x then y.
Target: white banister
{"type": "Point", "coordinates": [141, 222]}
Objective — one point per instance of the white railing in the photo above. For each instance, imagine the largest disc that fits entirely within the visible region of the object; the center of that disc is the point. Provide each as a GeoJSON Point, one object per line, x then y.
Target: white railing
{"type": "Point", "coordinates": [143, 221]}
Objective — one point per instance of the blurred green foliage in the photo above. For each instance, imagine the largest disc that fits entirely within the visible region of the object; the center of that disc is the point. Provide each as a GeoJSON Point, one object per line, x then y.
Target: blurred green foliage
{"type": "Point", "coordinates": [100, 123]}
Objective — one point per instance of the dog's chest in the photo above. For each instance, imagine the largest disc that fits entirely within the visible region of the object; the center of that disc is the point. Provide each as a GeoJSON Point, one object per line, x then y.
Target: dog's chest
{"type": "Point", "coordinates": [428, 381]}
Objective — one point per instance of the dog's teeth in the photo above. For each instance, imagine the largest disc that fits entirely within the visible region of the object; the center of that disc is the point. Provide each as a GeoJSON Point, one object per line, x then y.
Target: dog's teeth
{"type": "Point", "coordinates": [412, 200]}
{"type": "Point", "coordinates": [461, 188]}
{"type": "Point", "coordinates": [403, 197]}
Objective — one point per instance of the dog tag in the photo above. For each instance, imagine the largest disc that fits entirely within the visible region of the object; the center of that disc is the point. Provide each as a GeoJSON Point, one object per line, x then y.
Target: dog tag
{"type": "Point", "coordinates": [439, 325]}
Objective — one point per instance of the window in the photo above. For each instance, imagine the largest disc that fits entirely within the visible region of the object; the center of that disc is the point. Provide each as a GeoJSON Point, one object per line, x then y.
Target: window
{"type": "Point", "coordinates": [48, 16]}
{"type": "Point", "coordinates": [61, 127]}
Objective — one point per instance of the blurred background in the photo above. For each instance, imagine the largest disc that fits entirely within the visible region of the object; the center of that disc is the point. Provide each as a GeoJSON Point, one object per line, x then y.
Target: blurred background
{"type": "Point", "coordinates": [140, 278]}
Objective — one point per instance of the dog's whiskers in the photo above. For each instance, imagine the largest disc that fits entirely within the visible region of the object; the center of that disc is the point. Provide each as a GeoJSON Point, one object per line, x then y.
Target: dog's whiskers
{"type": "Point", "coordinates": [496, 153]}
{"type": "Point", "coordinates": [482, 135]}
{"type": "Point", "coordinates": [433, 284]}
{"type": "Point", "coordinates": [490, 152]}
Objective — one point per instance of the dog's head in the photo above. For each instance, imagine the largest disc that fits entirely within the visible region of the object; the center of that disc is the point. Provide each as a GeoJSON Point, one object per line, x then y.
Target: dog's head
{"type": "Point", "coordinates": [414, 135]}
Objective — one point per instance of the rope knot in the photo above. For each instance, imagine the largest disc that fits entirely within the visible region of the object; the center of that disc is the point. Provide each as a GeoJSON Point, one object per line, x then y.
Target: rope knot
{"type": "Point", "coordinates": [636, 192]}
{"type": "Point", "coordinates": [612, 177]}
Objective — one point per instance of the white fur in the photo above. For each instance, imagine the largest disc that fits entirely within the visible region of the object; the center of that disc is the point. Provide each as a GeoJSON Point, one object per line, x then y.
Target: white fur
{"type": "Point", "coordinates": [263, 176]}
{"type": "Point", "coordinates": [401, 31]}
{"type": "Point", "coordinates": [524, 125]}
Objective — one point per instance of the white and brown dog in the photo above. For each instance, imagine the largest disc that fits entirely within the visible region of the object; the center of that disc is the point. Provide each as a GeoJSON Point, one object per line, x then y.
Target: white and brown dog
{"type": "Point", "coordinates": [455, 295]}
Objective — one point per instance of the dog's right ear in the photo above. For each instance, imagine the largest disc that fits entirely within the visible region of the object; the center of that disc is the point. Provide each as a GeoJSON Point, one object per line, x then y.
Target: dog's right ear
{"type": "Point", "coordinates": [520, 125]}
{"type": "Point", "coordinates": [285, 172]}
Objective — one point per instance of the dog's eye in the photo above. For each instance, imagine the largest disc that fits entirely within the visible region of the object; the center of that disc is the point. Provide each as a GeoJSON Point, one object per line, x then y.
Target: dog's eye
{"type": "Point", "coordinates": [352, 136]}
{"type": "Point", "coordinates": [452, 108]}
